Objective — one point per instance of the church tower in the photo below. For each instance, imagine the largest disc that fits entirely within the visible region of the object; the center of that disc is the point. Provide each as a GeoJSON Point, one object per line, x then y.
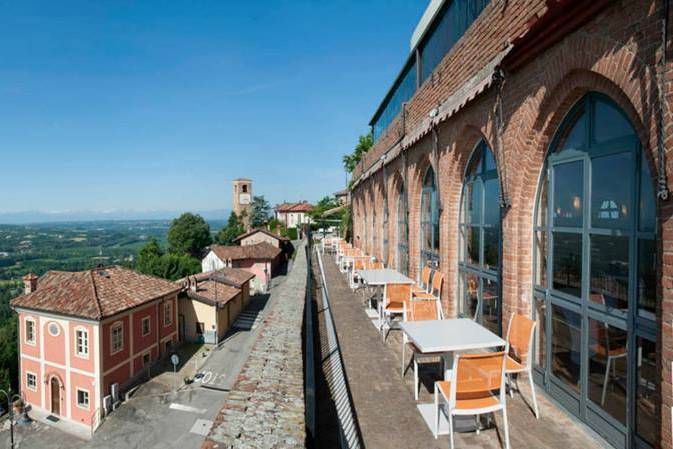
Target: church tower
{"type": "Point", "coordinates": [241, 199]}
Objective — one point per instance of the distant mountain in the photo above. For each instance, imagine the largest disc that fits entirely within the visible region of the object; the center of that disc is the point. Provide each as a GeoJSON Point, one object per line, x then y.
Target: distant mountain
{"type": "Point", "coordinates": [27, 217]}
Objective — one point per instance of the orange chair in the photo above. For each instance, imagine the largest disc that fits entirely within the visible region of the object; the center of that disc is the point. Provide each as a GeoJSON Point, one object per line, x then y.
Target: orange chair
{"type": "Point", "coordinates": [424, 284]}
{"type": "Point", "coordinates": [520, 333]}
{"type": "Point", "coordinates": [375, 265]}
{"type": "Point", "coordinates": [436, 286]}
{"type": "Point", "coordinates": [476, 387]}
{"type": "Point", "coordinates": [395, 298]}
{"type": "Point", "coordinates": [419, 311]}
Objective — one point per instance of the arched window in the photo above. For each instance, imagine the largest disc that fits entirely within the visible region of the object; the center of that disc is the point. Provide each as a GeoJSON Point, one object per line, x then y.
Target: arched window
{"type": "Point", "coordinates": [429, 220]}
{"type": "Point", "coordinates": [402, 231]}
{"type": "Point", "coordinates": [480, 240]}
{"type": "Point", "coordinates": [595, 272]}
{"type": "Point", "coordinates": [374, 246]}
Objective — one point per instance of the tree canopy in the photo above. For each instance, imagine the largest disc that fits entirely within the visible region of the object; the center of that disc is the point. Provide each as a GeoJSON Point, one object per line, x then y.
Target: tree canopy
{"type": "Point", "coordinates": [260, 211]}
{"type": "Point", "coordinates": [152, 260]}
{"type": "Point", "coordinates": [189, 234]}
{"type": "Point", "coordinates": [230, 231]}
{"type": "Point", "coordinates": [350, 161]}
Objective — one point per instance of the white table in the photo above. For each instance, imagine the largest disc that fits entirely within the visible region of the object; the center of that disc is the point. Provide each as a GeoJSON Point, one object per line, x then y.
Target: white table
{"type": "Point", "coordinates": [448, 336]}
{"type": "Point", "coordinates": [383, 277]}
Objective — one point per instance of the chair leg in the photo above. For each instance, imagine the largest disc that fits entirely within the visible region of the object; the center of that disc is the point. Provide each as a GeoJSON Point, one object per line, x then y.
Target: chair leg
{"type": "Point", "coordinates": [449, 417]}
{"type": "Point", "coordinates": [415, 379]}
{"type": "Point", "coordinates": [532, 390]}
{"type": "Point", "coordinates": [509, 382]}
{"type": "Point", "coordinates": [476, 423]}
{"type": "Point", "coordinates": [504, 420]}
{"type": "Point", "coordinates": [403, 347]}
{"type": "Point", "coordinates": [436, 427]}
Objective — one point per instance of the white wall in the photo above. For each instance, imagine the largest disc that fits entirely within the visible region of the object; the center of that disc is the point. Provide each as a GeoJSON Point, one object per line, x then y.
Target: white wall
{"type": "Point", "coordinates": [211, 262]}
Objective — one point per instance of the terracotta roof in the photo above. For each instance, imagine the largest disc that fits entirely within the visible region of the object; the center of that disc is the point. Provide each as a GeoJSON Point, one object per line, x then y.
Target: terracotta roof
{"type": "Point", "coordinates": [213, 292]}
{"type": "Point", "coordinates": [262, 250]}
{"type": "Point", "coordinates": [94, 294]}
{"type": "Point", "coordinates": [294, 207]}
{"type": "Point", "coordinates": [234, 277]}
{"type": "Point", "coordinates": [254, 231]}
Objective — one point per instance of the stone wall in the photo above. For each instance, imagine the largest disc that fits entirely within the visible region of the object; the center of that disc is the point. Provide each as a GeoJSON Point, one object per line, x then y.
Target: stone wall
{"type": "Point", "coordinates": [265, 407]}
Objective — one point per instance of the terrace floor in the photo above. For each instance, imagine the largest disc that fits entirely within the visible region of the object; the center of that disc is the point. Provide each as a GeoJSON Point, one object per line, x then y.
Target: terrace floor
{"type": "Point", "coordinates": [384, 404]}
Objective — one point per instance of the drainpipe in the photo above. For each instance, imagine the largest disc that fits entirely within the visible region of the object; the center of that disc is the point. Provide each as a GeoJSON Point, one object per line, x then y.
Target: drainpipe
{"type": "Point", "coordinates": [662, 185]}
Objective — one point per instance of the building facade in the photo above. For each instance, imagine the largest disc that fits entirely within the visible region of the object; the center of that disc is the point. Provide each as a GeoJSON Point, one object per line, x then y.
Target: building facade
{"type": "Point", "coordinates": [293, 215]}
{"type": "Point", "coordinates": [81, 333]}
{"type": "Point", "coordinates": [524, 150]}
{"type": "Point", "coordinates": [261, 259]}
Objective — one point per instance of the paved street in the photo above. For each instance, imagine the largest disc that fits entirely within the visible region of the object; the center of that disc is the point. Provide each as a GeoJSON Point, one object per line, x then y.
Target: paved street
{"type": "Point", "coordinates": [153, 418]}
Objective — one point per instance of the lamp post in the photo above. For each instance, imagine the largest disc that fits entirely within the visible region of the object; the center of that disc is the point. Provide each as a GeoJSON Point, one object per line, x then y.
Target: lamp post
{"type": "Point", "coordinates": [23, 419]}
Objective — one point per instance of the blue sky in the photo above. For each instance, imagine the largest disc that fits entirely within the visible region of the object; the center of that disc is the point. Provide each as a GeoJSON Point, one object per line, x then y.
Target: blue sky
{"type": "Point", "coordinates": [159, 105]}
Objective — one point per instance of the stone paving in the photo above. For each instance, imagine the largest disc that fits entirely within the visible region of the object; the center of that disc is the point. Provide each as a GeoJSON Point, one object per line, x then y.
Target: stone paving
{"type": "Point", "coordinates": [384, 402]}
{"type": "Point", "coordinates": [265, 407]}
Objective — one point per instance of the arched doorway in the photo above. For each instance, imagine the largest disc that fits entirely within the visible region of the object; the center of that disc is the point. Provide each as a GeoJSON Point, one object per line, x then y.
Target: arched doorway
{"type": "Point", "coordinates": [55, 390]}
{"type": "Point", "coordinates": [402, 230]}
{"type": "Point", "coordinates": [595, 275]}
{"type": "Point", "coordinates": [429, 221]}
{"type": "Point", "coordinates": [479, 265]}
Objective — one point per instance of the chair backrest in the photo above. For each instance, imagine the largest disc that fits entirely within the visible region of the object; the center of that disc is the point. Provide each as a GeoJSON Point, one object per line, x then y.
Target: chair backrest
{"type": "Point", "coordinates": [377, 265]}
{"type": "Point", "coordinates": [437, 283]}
{"type": "Point", "coordinates": [520, 332]}
{"type": "Point", "coordinates": [397, 293]}
{"type": "Point", "coordinates": [422, 311]}
{"type": "Point", "coordinates": [425, 277]}
{"type": "Point", "coordinates": [360, 263]}
{"type": "Point", "coordinates": [478, 376]}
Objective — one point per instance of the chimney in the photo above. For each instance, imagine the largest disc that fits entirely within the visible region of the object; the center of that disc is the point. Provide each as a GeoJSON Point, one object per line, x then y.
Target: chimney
{"type": "Point", "coordinates": [29, 283]}
{"type": "Point", "coordinates": [194, 284]}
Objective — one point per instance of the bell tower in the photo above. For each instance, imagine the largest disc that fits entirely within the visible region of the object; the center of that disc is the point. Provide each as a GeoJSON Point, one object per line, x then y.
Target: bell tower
{"type": "Point", "coordinates": [241, 199]}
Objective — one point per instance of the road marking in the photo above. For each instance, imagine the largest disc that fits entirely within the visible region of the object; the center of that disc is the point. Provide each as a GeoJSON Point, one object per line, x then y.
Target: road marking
{"type": "Point", "coordinates": [210, 377]}
{"type": "Point", "coordinates": [201, 427]}
{"type": "Point", "coordinates": [187, 408]}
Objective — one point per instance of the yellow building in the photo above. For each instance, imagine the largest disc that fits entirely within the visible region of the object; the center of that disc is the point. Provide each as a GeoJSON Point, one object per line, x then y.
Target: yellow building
{"type": "Point", "coordinates": [210, 303]}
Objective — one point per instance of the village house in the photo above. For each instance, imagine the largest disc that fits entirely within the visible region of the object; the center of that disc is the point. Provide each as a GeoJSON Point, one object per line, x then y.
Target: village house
{"type": "Point", "coordinates": [210, 303]}
{"type": "Point", "coordinates": [262, 235]}
{"type": "Point", "coordinates": [85, 336]}
{"type": "Point", "coordinates": [293, 215]}
{"type": "Point", "coordinates": [261, 259]}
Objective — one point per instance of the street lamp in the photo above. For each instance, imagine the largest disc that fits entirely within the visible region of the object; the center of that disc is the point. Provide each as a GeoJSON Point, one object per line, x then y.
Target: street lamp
{"type": "Point", "coordinates": [23, 418]}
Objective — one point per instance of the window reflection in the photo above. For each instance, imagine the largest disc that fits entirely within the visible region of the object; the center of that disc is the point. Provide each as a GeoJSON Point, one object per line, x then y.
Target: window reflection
{"type": "Point", "coordinates": [566, 333]}
{"type": "Point", "coordinates": [567, 263]}
{"type": "Point", "coordinates": [474, 202]}
{"type": "Point", "coordinates": [568, 194]}
{"type": "Point", "coordinates": [607, 368]}
{"type": "Point", "coordinates": [541, 258]}
{"type": "Point", "coordinates": [471, 295]}
{"type": "Point", "coordinates": [609, 123]}
{"type": "Point", "coordinates": [610, 271]}
{"type": "Point", "coordinates": [540, 333]}
{"type": "Point", "coordinates": [611, 190]}
{"type": "Point", "coordinates": [647, 378]}
{"type": "Point", "coordinates": [491, 202]}
{"type": "Point", "coordinates": [490, 304]}
{"type": "Point", "coordinates": [647, 278]}
{"type": "Point", "coordinates": [574, 135]}
{"type": "Point", "coordinates": [473, 245]}
{"type": "Point", "coordinates": [491, 249]}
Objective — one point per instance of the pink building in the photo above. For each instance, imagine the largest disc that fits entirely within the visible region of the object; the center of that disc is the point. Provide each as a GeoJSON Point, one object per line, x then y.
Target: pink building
{"type": "Point", "coordinates": [260, 259]}
{"type": "Point", "coordinates": [84, 334]}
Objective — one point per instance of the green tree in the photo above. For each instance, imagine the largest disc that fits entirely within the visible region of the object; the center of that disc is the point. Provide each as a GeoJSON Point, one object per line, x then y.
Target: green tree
{"type": "Point", "coordinates": [189, 234]}
{"type": "Point", "coordinates": [260, 212]}
{"type": "Point", "coordinates": [148, 257]}
{"type": "Point", "coordinates": [350, 161]}
{"type": "Point", "coordinates": [230, 231]}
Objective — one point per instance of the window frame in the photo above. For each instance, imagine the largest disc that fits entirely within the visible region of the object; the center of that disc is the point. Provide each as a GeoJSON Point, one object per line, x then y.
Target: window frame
{"type": "Point", "coordinates": [429, 193]}
{"type": "Point", "coordinates": [33, 323]}
{"type": "Point", "coordinates": [116, 325]}
{"type": "Point", "coordinates": [28, 376]}
{"type": "Point", "coordinates": [168, 313]}
{"type": "Point", "coordinates": [88, 398]}
{"type": "Point", "coordinates": [85, 333]}
{"type": "Point", "coordinates": [143, 320]}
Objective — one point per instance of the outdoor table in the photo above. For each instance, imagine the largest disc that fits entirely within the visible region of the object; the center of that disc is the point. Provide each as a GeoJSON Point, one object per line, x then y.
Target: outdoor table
{"type": "Point", "coordinates": [379, 278]}
{"type": "Point", "coordinates": [448, 337]}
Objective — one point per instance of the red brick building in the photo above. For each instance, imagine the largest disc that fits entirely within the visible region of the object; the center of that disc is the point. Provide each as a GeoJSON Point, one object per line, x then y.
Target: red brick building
{"type": "Point", "coordinates": [525, 150]}
{"type": "Point", "coordinates": [80, 333]}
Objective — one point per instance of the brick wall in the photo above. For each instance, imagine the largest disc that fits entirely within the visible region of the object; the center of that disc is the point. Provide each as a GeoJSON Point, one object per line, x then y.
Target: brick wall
{"type": "Point", "coordinates": [615, 53]}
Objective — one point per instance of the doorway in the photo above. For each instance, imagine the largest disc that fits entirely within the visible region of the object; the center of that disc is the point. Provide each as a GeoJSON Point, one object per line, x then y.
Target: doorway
{"type": "Point", "coordinates": [55, 386]}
